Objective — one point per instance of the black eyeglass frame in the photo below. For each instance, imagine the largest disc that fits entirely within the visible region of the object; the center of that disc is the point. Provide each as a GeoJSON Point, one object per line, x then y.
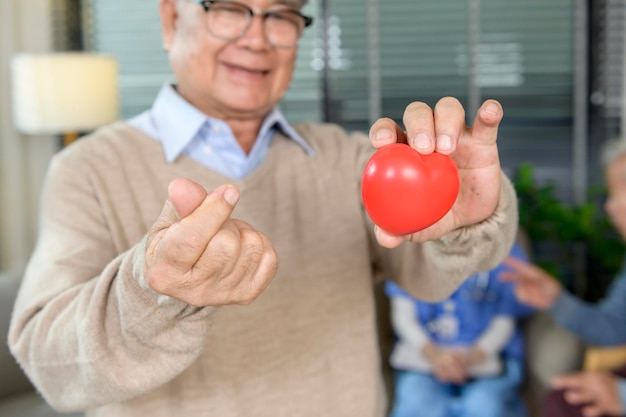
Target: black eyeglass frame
{"type": "Point", "coordinates": [206, 4]}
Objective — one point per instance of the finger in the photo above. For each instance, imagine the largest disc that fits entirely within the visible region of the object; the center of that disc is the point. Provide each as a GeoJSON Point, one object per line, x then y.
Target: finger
{"type": "Point", "coordinates": [449, 124]}
{"type": "Point", "coordinates": [522, 269]}
{"type": "Point", "coordinates": [448, 373]}
{"type": "Point", "coordinates": [420, 127]}
{"type": "Point", "coordinates": [253, 247]}
{"type": "Point", "coordinates": [385, 131]}
{"type": "Point", "coordinates": [456, 374]}
{"type": "Point", "coordinates": [592, 410]}
{"type": "Point", "coordinates": [185, 195]}
{"type": "Point", "coordinates": [577, 397]}
{"type": "Point", "coordinates": [508, 276]}
{"type": "Point", "coordinates": [189, 238]}
{"type": "Point", "coordinates": [485, 127]}
{"type": "Point", "coordinates": [226, 268]}
{"type": "Point", "coordinates": [267, 267]}
{"type": "Point", "coordinates": [575, 381]}
{"type": "Point", "coordinates": [388, 240]}
{"type": "Point", "coordinates": [524, 296]}
{"type": "Point", "coordinates": [221, 256]}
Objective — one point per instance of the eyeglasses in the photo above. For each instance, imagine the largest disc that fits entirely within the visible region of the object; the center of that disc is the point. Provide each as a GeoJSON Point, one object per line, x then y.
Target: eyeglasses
{"type": "Point", "coordinates": [229, 20]}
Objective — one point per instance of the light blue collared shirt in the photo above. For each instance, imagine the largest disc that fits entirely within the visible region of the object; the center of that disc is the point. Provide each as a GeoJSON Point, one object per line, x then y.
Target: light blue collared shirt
{"type": "Point", "coordinates": [183, 129]}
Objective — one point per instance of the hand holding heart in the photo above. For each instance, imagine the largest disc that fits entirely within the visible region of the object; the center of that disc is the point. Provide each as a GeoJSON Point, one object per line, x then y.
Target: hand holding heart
{"type": "Point", "coordinates": [472, 148]}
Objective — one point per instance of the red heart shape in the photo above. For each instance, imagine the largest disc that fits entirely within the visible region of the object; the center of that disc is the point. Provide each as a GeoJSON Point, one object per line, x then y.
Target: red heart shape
{"type": "Point", "coordinates": [404, 191]}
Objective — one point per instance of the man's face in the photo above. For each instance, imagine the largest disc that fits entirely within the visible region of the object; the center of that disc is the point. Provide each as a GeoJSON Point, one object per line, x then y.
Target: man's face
{"type": "Point", "coordinates": [243, 78]}
{"type": "Point", "coordinates": [616, 203]}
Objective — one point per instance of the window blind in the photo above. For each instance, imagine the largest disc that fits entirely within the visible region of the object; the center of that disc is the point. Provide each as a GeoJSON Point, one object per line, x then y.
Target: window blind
{"type": "Point", "coordinates": [606, 78]}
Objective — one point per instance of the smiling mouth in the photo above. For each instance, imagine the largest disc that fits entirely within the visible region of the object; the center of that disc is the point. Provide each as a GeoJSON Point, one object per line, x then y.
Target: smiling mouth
{"type": "Point", "coordinates": [246, 71]}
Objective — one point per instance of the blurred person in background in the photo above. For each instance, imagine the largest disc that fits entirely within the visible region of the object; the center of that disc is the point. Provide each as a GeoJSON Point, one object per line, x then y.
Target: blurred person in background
{"type": "Point", "coordinates": [588, 394]}
{"type": "Point", "coordinates": [463, 356]}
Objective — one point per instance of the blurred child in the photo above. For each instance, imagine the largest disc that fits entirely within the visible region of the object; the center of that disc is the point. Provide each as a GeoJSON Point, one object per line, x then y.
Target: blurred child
{"type": "Point", "coordinates": [462, 356]}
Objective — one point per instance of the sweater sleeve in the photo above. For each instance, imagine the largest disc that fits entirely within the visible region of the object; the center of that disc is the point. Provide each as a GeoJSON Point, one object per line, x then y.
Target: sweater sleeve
{"type": "Point", "coordinates": [114, 338]}
{"type": "Point", "coordinates": [607, 315]}
{"type": "Point", "coordinates": [408, 352]}
{"type": "Point", "coordinates": [433, 270]}
{"type": "Point", "coordinates": [496, 335]}
{"type": "Point", "coordinates": [405, 323]}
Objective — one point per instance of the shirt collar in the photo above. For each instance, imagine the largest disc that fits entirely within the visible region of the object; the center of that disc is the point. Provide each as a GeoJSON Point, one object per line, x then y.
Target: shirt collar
{"type": "Point", "coordinates": [179, 122]}
{"type": "Point", "coordinates": [276, 119]}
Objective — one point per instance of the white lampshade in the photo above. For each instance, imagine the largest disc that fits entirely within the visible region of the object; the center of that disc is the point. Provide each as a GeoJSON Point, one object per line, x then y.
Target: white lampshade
{"type": "Point", "coordinates": [55, 93]}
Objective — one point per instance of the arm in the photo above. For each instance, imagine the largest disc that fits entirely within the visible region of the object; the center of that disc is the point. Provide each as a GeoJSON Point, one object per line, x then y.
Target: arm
{"type": "Point", "coordinates": [535, 287]}
{"type": "Point", "coordinates": [417, 350]}
{"type": "Point", "coordinates": [478, 231]}
{"type": "Point", "coordinates": [88, 327]}
{"type": "Point", "coordinates": [607, 316]}
{"type": "Point", "coordinates": [406, 325]}
{"type": "Point", "coordinates": [432, 270]}
{"type": "Point", "coordinates": [483, 357]}
{"type": "Point", "coordinates": [496, 335]}
{"type": "Point", "coordinates": [473, 150]}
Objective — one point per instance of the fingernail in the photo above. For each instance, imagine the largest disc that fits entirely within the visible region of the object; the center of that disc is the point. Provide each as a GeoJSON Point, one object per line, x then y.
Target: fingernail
{"type": "Point", "coordinates": [491, 108]}
{"type": "Point", "coordinates": [422, 141]}
{"type": "Point", "coordinates": [444, 143]}
{"type": "Point", "coordinates": [383, 135]}
{"type": "Point", "coordinates": [231, 195]}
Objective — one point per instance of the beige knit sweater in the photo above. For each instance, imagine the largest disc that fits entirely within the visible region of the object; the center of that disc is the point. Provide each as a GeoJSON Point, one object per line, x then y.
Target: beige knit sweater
{"type": "Point", "coordinates": [92, 336]}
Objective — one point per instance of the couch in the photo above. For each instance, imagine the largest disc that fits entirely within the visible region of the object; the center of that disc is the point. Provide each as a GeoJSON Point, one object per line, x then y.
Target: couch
{"type": "Point", "coordinates": [551, 351]}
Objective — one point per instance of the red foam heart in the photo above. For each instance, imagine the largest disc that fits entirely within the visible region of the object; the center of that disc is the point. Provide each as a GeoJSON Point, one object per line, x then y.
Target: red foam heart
{"type": "Point", "coordinates": [404, 191]}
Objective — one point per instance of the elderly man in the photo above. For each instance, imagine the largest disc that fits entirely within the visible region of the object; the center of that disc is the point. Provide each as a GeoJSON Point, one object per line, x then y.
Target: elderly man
{"type": "Point", "coordinates": [208, 258]}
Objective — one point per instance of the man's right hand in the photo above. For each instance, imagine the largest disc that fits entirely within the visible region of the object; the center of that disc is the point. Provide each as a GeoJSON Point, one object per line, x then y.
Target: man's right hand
{"type": "Point", "coordinates": [533, 286]}
{"type": "Point", "coordinates": [197, 254]}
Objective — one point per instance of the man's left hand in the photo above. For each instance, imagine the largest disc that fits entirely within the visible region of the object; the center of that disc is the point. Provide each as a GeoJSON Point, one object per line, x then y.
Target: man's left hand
{"type": "Point", "coordinates": [473, 150]}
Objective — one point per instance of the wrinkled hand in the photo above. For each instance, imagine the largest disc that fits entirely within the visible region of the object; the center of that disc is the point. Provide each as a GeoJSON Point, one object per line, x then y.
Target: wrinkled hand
{"type": "Point", "coordinates": [197, 254]}
{"type": "Point", "coordinates": [596, 392]}
{"type": "Point", "coordinates": [533, 286]}
{"type": "Point", "coordinates": [449, 365]}
{"type": "Point", "coordinates": [473, 149]}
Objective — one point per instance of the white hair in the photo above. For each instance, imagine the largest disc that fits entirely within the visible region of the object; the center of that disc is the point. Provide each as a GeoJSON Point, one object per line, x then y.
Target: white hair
{"type": "Point", "coordinates": [612, 150]}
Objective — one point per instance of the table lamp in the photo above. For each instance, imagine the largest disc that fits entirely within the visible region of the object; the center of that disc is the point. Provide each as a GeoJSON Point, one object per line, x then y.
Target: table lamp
{"type": "Point", "coordinates": [63, 93]}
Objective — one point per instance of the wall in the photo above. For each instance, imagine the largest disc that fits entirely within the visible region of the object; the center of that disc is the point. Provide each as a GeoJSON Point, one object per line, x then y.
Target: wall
{"type": "Point", "coordinates": [25, 25]}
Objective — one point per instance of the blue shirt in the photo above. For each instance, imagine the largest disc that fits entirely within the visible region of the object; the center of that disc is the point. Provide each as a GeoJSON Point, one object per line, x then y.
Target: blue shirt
{"type": "Point", "coordinates": [183, 129]}
{"type": "Point", "coordinates": [472, 306]}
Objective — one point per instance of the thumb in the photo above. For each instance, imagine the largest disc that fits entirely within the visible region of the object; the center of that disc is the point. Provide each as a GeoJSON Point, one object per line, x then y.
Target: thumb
{"type": "Point", "coordinates": [185, 195]}
{"type": "Point", "coordinates": [485, 127]}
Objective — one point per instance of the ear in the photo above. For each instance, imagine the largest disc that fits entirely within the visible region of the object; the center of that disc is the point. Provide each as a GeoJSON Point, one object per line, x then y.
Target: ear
{"type": "Point", "coordinates": [169, 16]}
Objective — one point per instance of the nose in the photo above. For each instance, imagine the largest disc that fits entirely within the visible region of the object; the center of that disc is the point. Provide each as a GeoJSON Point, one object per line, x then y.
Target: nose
{"type": "Point", "coordinates": [254, 36]}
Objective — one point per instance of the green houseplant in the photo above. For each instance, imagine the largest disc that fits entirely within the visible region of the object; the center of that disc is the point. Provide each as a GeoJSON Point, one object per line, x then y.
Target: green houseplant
{"type": "Point", "coordinates": [575, 243]}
